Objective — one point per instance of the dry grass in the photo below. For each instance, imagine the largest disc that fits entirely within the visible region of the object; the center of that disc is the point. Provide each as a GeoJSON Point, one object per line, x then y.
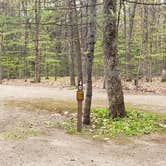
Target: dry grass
{"type": "Point", "coordinates": [50, 105]}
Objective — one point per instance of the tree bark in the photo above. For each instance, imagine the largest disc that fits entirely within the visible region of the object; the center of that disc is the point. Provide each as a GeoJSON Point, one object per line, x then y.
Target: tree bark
{"type": "Point", "coordinates": [1, 52]}
{"type": "Point", "coordinates": [72, 4]}
{"type": "Point", "coordinates": [113, 81]}
{"type": "Point", "coordinates": [26, 34]}
{"type": "Point", "coordinates": [77, 44]}
{"type": "Point", "coordinates": [71, 50]}
{"type": "Point", "coordinates": [163, 77]}
{"type": "Point", "coordinates": [84, 35]}
{"type": "Point", "coordinates": [164, 70]}
{"type": "Point", "coordinates": [145, 45]}
{"type": "Point", "coordinates": [132, 10]}
{"type": "Point", "coordinates": [1, 63]}
{"type": "Point", "coordinates": [37, 51]}
{"type": "Point", "coordinates": [90, 56]}
{"type": "Point", "coordinates": [71, 63]}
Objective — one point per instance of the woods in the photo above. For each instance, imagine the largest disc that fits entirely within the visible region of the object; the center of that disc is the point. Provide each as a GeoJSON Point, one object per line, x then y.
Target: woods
{"type": "Point", "coordinates": [82, 82]}
{"type": "Point", "coordinates": [84, 39]}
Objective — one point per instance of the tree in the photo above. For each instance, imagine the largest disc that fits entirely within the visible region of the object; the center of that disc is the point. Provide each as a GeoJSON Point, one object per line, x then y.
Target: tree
{"type": "Point", "coordinates": [73, 8]}
{"type": "Point", "coordinates": [113, 82]}
{"type": "Point", "coordinates": [71, 48]}
{"type": "Point", "coordinates": [24, 6]}
{"type": "Point", "coordinates": [1, 40]}
{"type": "Point", "coordinates": [163, 79]}
{"type": "Point", "coordinates": [84, 36]}
{"type": "Point", "coordinates": [37, 51]}
{"type": "Point", "coordinates": [90, 56]}
{"type": "Point", "coordinates": [131, 12]}
{"type": "Point", "coordinates": [145, 40]}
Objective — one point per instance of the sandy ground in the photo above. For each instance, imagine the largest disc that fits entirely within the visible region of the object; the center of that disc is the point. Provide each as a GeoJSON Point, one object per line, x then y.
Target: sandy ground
{"type": "Point", "coordinates": [56, 148]}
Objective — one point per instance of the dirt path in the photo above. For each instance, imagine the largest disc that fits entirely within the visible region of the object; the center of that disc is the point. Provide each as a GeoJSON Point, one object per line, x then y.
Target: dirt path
{"type": "Point", "coordinates": [56, 148]}
{"type": "Point", "coordinates": [148, 102]}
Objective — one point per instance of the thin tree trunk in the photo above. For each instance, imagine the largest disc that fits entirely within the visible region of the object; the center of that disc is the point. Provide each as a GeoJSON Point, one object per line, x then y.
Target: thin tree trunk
{"type": "Point", "coordinates": [132, 10]}
{"type": "Point", "coordinates": [1, 62]}
{"type": "Point", "coordinates": [72, 4]}
{"type": "Point", "coordinates": [46, 70]}
{"type": "Point", "coordinates": [152, 21]}
{"type": "Point", "coordinates": [163, 77]}
{"type": "Point", "coordinates": [125, 35]}
{"type": "Point", "coordinates": [79, 66]}
{"type": "Point", "coordinates": [164, 70]}
{"type": "Point", "coordinates": [77, 44]}
{"type": "Point", "coordinates": [84, 11]}
{"type": "Point", "coordinates": [71, 63]}
{"type": "Point", "coordinates": [90, 56]}
{"type": "Point", "coordinates": [71, 50]}
{"type": "Point", "coordinates": [55, 72]}
{"type": "Point", "coordinates": [113, 81]}
{"type": "Point", "coordinates": [46, 64]}
{"type": "Point", "coordinates": [1, 52]}
{"type": "Point", "coordinates": [24, 4]}
{"type": "Point", "coordinates": [37, 53]}
{"type": "Point", "coordinates": [145, 45]}
{"type": "Point", "coordinates": [20, 47]}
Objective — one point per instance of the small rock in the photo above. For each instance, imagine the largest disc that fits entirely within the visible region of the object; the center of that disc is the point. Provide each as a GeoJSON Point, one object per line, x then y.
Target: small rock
{"type": "Point", "coordinates": [95, 136]}
{"type": "Point", "coordinates": [106, 139]}
{"type": "Point", "coordinates": [162, 125]}
{"type": "Point", "coordinates": [66, 112]}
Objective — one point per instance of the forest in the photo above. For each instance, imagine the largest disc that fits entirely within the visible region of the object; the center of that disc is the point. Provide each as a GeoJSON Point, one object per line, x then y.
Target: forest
{"type": "Point", "coordinates": [93, 68]}
{"type": "Point", "coordinates": [37, 38]}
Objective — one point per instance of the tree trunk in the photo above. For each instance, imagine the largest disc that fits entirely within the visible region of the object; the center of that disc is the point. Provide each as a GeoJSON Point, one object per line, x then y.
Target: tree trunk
{"type": "Point", "coordinates": [71, 50]}
{"type": "Point", "coordinates": [79, 66]}
{"type": "Point", "coordinates": [71, 63]}
{"type": "Point", "coordinates": [47, 71]}
{"type": "Point", "coordinates": [152, 21]}
{"type": "Point", "coordinates": [72, 4]}
{"type": "Point", "coordinates": [77, 44]}
{"type": "Point", "coordinates": [129, 40]}
{"type": "Point", "coordinates": [84, 34]}
{"type": "Point", "coordinates": [145, 45]}
{"type": "Point", "coordinates": [46, 64]}
{"type": "Point", "coordinates": [1, 52]}
{"type": "Point", "coordinates": [113, 81]}
{"type": "Point", "coordinates": [37, 53]}
{"type": "Point", "coordinates": [90, 56]}
{"type": "Point", "coordinates": [0, 66]}
{"type": "Point", "coordinates": [163, 77]}
{"type": "Point", "coordinates": [26, 34]}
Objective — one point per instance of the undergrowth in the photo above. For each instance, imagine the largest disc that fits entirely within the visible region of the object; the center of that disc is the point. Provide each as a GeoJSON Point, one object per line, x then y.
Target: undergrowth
{"type": "Point", "coordinates": [134, 124]}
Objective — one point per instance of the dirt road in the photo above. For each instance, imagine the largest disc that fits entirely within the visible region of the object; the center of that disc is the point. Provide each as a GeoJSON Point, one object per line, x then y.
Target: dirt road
{"type": "Point", "coordinates": [56, 148]}
{"type": "Point", "coordinates": [149, 102]}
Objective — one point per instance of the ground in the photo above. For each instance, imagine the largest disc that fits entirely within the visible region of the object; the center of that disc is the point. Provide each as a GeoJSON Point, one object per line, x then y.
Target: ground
{"type": "Point", "coordinates": [49, 146]}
